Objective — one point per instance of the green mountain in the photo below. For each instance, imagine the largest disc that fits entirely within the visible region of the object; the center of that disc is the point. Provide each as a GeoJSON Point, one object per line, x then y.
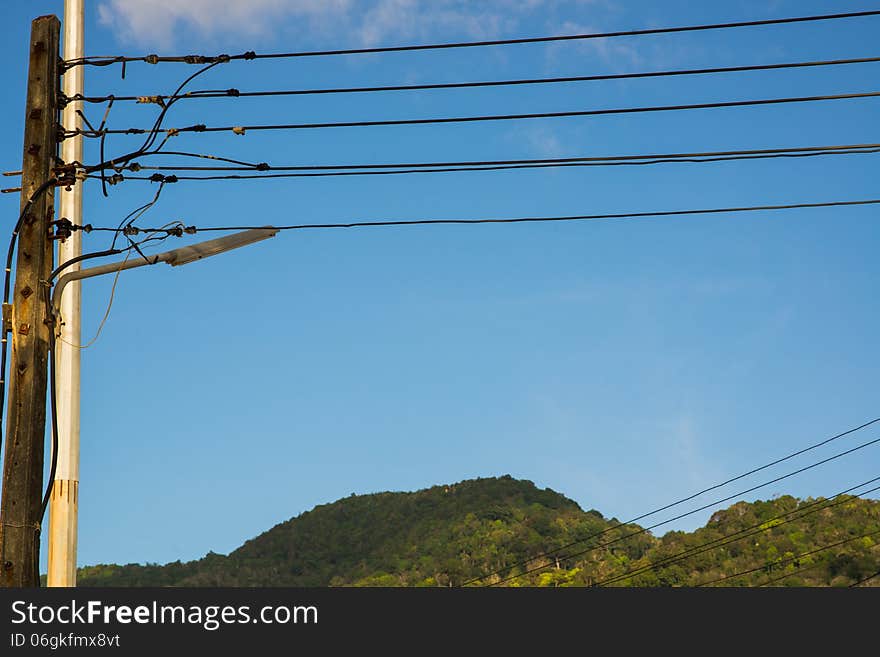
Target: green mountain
{"type": "Point", "coordinates": [506, 531]}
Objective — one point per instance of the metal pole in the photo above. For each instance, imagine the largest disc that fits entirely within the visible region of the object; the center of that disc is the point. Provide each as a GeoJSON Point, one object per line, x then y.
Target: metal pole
{"type": "Point", "coordinates": [64, 503]}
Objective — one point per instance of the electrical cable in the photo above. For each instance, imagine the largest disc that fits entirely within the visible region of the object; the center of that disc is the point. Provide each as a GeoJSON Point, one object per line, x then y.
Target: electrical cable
{"type": "Point", "coordinates": [236, 93]}
{"type": "Point", "coordinates": [373, 172]}
{"type": "Point", "coordinates": [201, 59]}
{"type": "Point", "coordinates": [265, 166]}
{"type": "Point", "coordinates": [684, 499]}
{"type": "Point", "coordinates": [798, 556]}
{"type": "Point", "coordinates": [792, 573]}
{"type": "Point", "coordinates": [151, 138]}
{"type": "Point", "coordinates": [128, 251]}
{"type": "Point", "coordinates": [866, 579]}
{"type": "Point", "coordinates": [242, 129]}
{"type": "Point", "coordinates": [586, 217]}
{"type": "Point", "coordinates": [683, 515]}
{"type": "Point", "coordinates": [136, 214]}
{"type": "Point", "coordinates": [746, 532]}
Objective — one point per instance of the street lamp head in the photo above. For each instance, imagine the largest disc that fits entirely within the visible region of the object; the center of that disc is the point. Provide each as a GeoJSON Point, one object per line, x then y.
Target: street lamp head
{"type": "Point", "coordinates": [193, 252]}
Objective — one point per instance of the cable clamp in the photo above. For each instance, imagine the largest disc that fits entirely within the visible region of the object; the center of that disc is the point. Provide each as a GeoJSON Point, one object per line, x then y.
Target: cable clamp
{"type": "Point", "coordinates": [233, 92]}
{"type": "Point", "coordinates": [263, 166]}
{"type": "Point", "coordinates": [159, 178]}
{"type": "Point", "coordinates": [239, 130]}
{"type": "Point", "coordinates": [131, 230]}
{"type": "Point", "coordinates": [144, 100]}
{"type": "Point", "coordinates": [115, 179]}
{"type": "Point", "coordinates": [152, 59]}
{"type": "Point", "coordinates": [173, 132]}
{"type": "Point", "coordinates": [250, 54]}
{"type": "Point", "coordinates": [190, 230]}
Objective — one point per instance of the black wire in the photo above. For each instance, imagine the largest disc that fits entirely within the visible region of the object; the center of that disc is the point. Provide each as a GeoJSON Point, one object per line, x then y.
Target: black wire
{"type": "Point", "coordinates": [204, 156]}
{"type": "Point", "coordinates": [684, 515]}
{"type": "Point", "coordinates": [621, 215]}
{"type": "Point", "coordinates": [812, 566]}
{"type": "Point", "coordinates": [104, 61]}
{"type": "Point", "coordinates": [866, 579]}
{"type": "Point", "coordinates": [496, 117]}
{"type": "Point", "coordinates": [373, 172]}
{"type": "Point", "coordinates": [741, 534]}
{"type": "Point", "coordinates": [80, 258]}
{"type": "Point", "coordinates": [137, 213]}
{"type": "Point", "coordinates": [797, 556]}
{"type": "Point", "coordinates": [263, 166]}
{"type": "Point", "coordinates": [681, 501]}
{"type": "Point", "coordinates": [53, 406]}
{"type": "Point", "coordinates": [235, 93]}
{"type": "Point", "coordinates": [153, 132]}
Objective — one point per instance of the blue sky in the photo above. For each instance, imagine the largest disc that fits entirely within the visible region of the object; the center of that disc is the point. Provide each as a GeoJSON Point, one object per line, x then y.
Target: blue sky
{"type": "Point", "coordinates": [624, 364]}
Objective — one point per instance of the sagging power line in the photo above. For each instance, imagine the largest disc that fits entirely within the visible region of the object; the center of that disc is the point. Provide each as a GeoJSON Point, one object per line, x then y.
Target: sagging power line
{"type": "Point", "coordinates": [501, 165]}
{"type": "Point", "coordinates": [242, 129]}
{"type": "Point", "coordinates": [516, 220]}
{"type": "Point", "coordinates": [160, 99]}
{"type": "Point", "coordinates": [252, 55]}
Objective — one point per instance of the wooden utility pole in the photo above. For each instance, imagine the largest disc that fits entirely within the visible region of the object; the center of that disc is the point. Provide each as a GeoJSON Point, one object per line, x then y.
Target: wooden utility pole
{"type": "Point", "coordinates": [20, 506]}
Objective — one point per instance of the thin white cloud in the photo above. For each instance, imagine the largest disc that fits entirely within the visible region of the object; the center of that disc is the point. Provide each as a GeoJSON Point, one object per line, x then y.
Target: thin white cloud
{"type": "Point", "coordinates": [164, 23]}
{"type": "Point", "coordinates": [167, 23]}
{"type": "Point", "coordinates": [619, 53]}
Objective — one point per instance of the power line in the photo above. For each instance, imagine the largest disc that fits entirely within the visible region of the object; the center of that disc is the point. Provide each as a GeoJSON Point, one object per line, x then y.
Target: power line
{"type": "Point", "coordinates": [242, 129]}
{"type": "Point", "coordinates": [644, 530]}
{"type": "Point", "coordinates": [685, 499]}
{"type": "Point", "coordinates": [251, 55]}
{"type": "Point", "coordinates": [264, 166]}
{"type": "Point", "coordinates": [792, 573]}
{"type": "Point", "coordinates": [866, 579]}
{"type": "Point", "coordinates": [423, 222]}
{"type": "Point", "coordinates": [236, 93]}
{"type": "Point", "coordinates": [797, 556]}
{"type": "Point", "coordinates": [153, 132]}
{"type": "Point", "coordinates": [586, 162]}
{"type": "Point", "coordinates": [739, 535]}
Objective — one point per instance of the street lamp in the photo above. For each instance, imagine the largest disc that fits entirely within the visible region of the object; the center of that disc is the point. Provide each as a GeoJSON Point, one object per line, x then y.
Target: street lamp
{"type": "Point", "coordinates": [182, 256]}
{"type": "Point", "coordinates": [64, 511]}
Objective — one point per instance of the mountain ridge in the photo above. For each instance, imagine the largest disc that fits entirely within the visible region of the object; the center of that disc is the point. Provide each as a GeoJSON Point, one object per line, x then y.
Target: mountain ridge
{"type": "Point", "coordinates": [501, 530]}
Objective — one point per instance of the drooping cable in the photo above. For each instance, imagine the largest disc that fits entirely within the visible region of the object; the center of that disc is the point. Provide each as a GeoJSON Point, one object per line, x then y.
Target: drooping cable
{"type": "Point", "coordinates": [250, 55]}
{"type": "Point", "coordinates": [242, 129]}
{"type": "Point", "coordinates": [237, 93]}
{"type": "Point", "coordinates": [684, 515]}
{"type": "Point", "coordinates": [790, 559]}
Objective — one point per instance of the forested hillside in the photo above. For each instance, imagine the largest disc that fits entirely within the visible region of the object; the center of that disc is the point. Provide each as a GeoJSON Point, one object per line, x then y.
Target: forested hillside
{"type": "Point", "coordinates": [509, 532]}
